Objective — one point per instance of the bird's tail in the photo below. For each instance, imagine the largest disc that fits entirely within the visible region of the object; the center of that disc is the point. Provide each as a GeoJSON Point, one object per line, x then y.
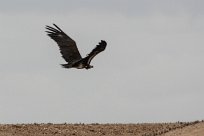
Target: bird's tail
{"type": "Point", "coordinates": [66, 65]}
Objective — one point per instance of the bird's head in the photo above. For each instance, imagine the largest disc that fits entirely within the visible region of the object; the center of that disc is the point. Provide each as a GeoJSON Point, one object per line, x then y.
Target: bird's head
{"type": "Point", "coordinates": [88, 66]}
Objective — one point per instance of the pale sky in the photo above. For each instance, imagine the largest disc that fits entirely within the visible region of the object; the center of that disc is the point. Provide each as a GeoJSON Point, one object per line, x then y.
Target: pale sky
{"type": "Point", "coordinates": [151, 70]}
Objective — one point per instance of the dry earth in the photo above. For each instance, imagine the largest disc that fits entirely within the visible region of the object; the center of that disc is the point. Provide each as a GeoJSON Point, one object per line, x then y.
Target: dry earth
{"type": "Point", "coordinates": [192, 130]}
{"type": "Point", "coordinates": [147, 129]}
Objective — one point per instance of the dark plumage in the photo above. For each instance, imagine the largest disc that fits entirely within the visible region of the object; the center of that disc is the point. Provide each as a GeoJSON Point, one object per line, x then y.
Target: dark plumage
{"type": "Point", "coordinates": [69, 50]}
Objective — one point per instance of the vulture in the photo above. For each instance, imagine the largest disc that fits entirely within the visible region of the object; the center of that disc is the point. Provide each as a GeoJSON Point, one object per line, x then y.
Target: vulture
{"type": "Point", "coordinates": [69, 50]}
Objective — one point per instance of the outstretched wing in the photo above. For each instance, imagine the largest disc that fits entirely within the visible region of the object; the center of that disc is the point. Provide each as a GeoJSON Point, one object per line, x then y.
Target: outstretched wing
{"type": "Point", "coordinates": [99, 48]}
{"type": "Point", "coordinates": [67, 46]}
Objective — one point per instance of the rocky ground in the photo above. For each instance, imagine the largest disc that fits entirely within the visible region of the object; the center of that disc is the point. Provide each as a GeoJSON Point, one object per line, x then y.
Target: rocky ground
{"type": "Point", "coordinates": [147, 129]}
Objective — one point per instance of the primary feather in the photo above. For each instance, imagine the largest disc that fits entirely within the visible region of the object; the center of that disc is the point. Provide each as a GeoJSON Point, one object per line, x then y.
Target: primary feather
{"type": "Point", "coordinates": [67, 46]}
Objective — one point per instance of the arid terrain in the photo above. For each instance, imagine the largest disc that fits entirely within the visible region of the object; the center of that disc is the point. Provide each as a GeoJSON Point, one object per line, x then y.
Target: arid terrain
{"type": "Point", "coordinates": [195, 128]}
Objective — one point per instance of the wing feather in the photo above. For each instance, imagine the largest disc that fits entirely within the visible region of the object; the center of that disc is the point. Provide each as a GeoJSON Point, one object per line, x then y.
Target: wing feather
{"type": "Point", "coordinates": [67, 46]}
{"type": "Point", "coordinates": [99, 48]}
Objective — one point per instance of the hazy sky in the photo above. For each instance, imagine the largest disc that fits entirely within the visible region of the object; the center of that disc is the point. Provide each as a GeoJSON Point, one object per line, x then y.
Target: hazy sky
{"type": "Point", "coordinates": [151, 70]}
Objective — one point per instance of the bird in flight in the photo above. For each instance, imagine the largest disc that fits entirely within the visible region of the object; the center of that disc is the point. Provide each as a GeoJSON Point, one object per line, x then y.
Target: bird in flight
{"type": "Point", "coordinates": [69, 50]}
